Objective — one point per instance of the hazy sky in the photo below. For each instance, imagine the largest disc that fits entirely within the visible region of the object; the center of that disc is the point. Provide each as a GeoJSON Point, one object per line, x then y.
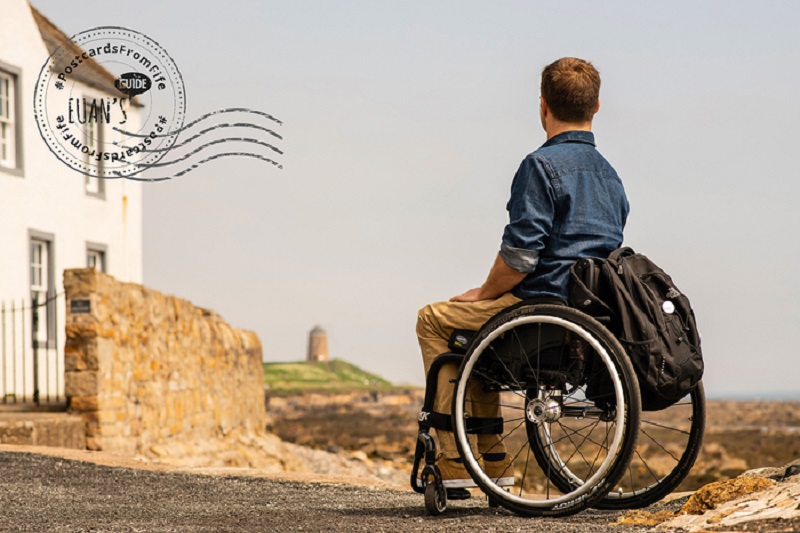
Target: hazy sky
{"type": "Point", "coordinates": [404, 125]}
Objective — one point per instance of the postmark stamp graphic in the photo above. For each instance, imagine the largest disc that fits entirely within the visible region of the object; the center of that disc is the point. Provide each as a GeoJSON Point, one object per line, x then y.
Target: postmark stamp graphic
{"type": "Point", "coordinates": [86, 95]}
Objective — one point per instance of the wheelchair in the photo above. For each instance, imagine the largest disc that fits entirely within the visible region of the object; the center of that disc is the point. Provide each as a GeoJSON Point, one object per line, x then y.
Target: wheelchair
{"type": "Point", "coordinates": [552, 389]}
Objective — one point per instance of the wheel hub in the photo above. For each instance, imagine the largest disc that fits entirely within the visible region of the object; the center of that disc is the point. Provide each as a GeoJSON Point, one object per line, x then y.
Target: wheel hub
{"type": "Point", "coordinates": [543, 410]}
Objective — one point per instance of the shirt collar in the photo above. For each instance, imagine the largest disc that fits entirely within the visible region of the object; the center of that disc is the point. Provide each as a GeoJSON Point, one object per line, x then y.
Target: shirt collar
{"type": "Point", "coordinates": [579, 136]}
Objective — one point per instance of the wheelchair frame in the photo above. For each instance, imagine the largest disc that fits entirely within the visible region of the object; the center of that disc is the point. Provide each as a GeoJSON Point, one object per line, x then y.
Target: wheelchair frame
{"type": "Point", "coordinates": [594, 487]}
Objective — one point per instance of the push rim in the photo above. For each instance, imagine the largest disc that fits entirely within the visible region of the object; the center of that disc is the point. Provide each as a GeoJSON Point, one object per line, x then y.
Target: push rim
{"type": "Point", "coordinates": [580, 490]}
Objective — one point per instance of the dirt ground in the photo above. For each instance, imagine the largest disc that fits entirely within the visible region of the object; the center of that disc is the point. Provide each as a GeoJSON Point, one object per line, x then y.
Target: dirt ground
{"type": "Point", "coordinates": [72, 491]}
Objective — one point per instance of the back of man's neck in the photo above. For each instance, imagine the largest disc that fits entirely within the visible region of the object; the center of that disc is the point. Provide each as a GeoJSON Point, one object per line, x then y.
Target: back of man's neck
{"type": "Point", "coordinates": [555, 128]}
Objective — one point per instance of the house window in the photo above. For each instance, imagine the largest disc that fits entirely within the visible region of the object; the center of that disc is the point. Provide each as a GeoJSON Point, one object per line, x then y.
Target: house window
{"type": "Point", "coordinates": [41, 289]}
{"type": "Point", "coordinates": [93, 139]}
{"type": "Point", "coordinates": [8, 126]}
{"type": "Point", "coordinates": [96, 256]}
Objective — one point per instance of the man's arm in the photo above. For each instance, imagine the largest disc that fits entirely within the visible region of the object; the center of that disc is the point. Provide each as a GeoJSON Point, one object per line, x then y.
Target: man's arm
{"type": "Point", "coordinates": [502, 278]}
{"type": "Point", "coordinates": [531, 212]}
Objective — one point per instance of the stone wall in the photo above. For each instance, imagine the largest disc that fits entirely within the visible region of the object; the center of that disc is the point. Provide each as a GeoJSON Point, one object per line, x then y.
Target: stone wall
{"type": "Point", "coordinates": [146, 370]}
{"type": "Point", "coordinates": [42, 429]}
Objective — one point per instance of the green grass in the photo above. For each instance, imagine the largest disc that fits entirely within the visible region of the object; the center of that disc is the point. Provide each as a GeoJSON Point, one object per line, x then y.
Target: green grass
{"type": "Point", "coordinates": [333, 376]}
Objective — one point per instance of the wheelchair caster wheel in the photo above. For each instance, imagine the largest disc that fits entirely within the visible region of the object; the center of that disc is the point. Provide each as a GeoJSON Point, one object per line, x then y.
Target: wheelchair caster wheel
{"type": "Point", "coordinates": [435, 498]}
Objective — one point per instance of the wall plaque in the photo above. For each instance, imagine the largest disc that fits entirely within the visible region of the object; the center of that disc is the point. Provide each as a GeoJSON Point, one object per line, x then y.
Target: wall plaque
{"type": "Point", "coordinates": [79, 306]}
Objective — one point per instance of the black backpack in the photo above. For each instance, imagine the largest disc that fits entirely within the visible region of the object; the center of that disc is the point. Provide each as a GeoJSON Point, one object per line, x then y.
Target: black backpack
{"type": "Point", "coordinates": [652, 319]}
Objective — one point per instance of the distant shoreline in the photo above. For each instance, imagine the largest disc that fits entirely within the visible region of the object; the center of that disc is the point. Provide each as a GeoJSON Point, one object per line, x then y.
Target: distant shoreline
{"type": "Point", "coordinates": [766, 396]}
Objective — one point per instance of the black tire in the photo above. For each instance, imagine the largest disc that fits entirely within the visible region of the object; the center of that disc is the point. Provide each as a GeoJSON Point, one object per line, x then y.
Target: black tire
{"type": "Point", "coordinates": [525, 363]}
{"type": "Point", "coordinates": [669, 442]}
{"type": "Point", "coordinates": [435, 498]}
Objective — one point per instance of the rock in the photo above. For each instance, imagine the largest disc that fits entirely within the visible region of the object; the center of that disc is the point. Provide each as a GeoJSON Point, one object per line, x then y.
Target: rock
{"type": "Point", "coordinates": [792, 470]}
{"type": "Point", "coordinates": [639, 517]}
{"type": "Point", "coordinates": [768, 472]}
{"type": "Point", "coordinates": [776, 473]}
{"type": "Point", "coordinates": [719, 492]}
{"type": "Point", "coordinates": [752, 510]}
{"type": "Point", "coordinates": [359, 456]}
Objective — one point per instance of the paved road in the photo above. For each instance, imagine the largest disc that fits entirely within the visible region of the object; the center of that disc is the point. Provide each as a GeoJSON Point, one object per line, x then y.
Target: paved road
{"type": "Point", "coordinates": [40, 493]}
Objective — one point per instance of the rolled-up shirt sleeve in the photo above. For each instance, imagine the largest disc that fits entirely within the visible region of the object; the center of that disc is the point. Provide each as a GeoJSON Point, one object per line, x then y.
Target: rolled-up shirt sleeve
{"type": "Point", "coordinates": [531, 210]}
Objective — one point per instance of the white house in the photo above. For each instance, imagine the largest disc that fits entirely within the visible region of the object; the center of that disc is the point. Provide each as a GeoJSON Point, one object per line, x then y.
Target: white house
{"type": "Point", "coordinates": [51, 217]}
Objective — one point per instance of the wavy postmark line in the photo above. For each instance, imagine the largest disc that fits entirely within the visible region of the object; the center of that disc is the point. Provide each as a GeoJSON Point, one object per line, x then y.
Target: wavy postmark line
{"type": "Point", "coordinates": [209, 144]}
{"type": "Point", "coordinates": [198, 138]}
{"type": "Point", "coordinates": [208, 130]}
{"type": "Point", "coordinates": [204, 117]}
{"type": "Point", "coordinates": [206, 160]}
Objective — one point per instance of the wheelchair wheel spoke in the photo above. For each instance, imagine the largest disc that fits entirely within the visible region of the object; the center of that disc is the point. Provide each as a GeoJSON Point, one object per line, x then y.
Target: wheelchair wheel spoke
{"type": "Point", "coordinates": [527, 358]}
{"type": "Point", "coordinates": [575, 431]}
{"type": "Point", "coordinates": [600, 448]}
{"type": "Point", "coordinates": [496, 404]}
{"type": "Point", "coordinates": [662, 426]}
{"type": "Point", "coordinates": [524, 446]}
{"type": "Point", "coordinates": [525, 470]}
{"type": "Point", "coordinates": [655, 477]}
{"type": "Point", "coordinates": [502, 386]}
{"type": "Point", "coordinates": [554, 446]}
{"type": "Point", "coordinates": [496, 444]}
{"type": "Point", "coordinates": [577, 448]}
{"type": "Point", "coordinates": [505, 367]}
{"type": "Point", "coordinates": [630, 473]}
{"type": "Point", "coordinates": [646, 434]}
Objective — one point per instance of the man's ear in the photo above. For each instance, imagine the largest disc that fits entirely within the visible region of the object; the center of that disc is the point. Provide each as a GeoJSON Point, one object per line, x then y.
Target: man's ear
{"type": "Point", "coordinates": [596, 109]}
{"type": "Point", "coordinates": [543, 112]}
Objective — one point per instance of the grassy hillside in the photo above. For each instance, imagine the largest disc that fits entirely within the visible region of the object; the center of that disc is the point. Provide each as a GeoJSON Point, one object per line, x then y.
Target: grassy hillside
{"type": "Point", "coordinates": [334, 376]}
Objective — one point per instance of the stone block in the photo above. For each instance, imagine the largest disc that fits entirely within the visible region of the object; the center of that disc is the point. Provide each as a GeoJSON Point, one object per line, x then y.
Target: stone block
{"type": "Point", "coordinates": [107, 417]}
{"type": "Point", "coordinates": [83, 403]}
{"type": "Point", "coordinates": [16, 433]}
{"type": "Point", "coordinates": [104, 353]}
{"type": "Point", "coordinates": [80, 282]}
{"type": "Point", "coordinates": [80, 383]}
{"type": "Point", "coordinates": [80, 327]}
{"type": "Point", "coordinates": [81, 354]}
{"type": "Point", "coordinates": [92, 428]}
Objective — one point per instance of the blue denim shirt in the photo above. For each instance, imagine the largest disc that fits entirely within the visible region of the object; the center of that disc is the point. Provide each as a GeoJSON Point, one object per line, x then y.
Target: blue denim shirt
{"type": "Point", "coordinates": [567, 202]}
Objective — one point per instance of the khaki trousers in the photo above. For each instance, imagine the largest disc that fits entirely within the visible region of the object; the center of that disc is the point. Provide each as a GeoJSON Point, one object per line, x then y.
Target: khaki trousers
{"type": "Point", "coordinates": [435, 324]}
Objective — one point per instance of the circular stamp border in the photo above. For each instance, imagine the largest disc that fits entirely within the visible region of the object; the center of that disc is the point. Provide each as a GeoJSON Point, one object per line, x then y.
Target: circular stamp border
{"type": "Point", "coordinates": [43, 86]}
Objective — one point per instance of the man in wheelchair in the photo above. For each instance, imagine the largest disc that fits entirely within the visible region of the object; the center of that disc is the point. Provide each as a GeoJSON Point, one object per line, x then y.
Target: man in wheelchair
{"type": "Point", "coordinates": [567, 202]}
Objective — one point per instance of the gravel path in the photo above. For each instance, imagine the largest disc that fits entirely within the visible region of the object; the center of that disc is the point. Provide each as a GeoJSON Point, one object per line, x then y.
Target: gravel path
{"type": "Point", "coordinates": [43, 493]}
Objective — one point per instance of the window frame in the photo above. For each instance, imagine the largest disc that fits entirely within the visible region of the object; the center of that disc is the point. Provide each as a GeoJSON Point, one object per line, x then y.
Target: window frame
{"type": "Point", "coordinates": [93, 138]}
{"type": "Point", "coordinates": [46, 287]}
{"type": "Point", "coordinates": [102, 253]}
{"type": "Point", "coordinates": [13, 75]}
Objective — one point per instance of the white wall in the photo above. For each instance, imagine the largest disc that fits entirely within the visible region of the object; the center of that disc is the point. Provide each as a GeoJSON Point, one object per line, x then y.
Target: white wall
{"type": "Point", "coordinates": [51, 198]}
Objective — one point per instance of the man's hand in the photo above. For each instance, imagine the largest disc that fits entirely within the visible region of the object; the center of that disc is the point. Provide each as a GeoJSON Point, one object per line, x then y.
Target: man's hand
{"type": "Point", "coordinates": [472, 295]}
{"type": "Point", "coordinates": [502, 278]}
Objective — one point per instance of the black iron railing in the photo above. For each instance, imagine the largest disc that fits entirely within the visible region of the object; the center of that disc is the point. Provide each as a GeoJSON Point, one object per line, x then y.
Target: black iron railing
{"type": "Point", "coordinates": [31, 356]}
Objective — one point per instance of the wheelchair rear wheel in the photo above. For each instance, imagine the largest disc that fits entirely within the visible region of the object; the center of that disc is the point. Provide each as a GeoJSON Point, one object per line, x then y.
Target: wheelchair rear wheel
{"type": "Point", "coordinates": [669, 442]}
{"type": "Point", "coordinates": [529, 370]}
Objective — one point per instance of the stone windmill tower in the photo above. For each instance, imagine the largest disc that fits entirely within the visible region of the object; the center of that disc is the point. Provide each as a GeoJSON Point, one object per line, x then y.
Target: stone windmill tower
{"type": "Point", "coordinates": [318, 346]}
